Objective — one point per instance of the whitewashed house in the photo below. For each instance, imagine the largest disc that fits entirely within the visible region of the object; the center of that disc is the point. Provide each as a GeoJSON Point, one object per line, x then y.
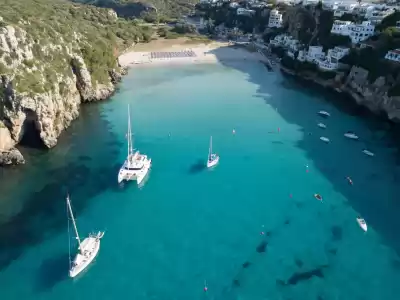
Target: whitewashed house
{"type": "Point", "coordinates": [341, 27]}
{"type": "Point", "coordinates": [393, 55]}
{"type": "Point", "coordinates": [278, 40]}
{"type": "Point", "coordinates": [301, 56]}
{"type": "Point", "coordinates": [315, 53]}
{"type": "Point", "coordinates": [275, 19]}
{"type": "Point", "coordinates": [361, 32]}
{"type": "Point", "coordinates": [356, 32]}
{"type": "Point", "coordinates": [331, 61]}
{"type": "Point", "coordinates": [376, 13]}
{"type": "Point", "coordinates": [338, 52]}
{"type": "Point", "coordinates": [343, 8]}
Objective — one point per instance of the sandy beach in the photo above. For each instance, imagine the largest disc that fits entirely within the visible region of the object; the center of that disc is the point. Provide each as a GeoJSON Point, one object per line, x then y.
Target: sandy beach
{"type": "Point", "coordinates": [182, 51]}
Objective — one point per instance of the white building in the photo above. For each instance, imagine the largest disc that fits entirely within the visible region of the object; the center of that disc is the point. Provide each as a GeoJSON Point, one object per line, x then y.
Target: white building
{"type": "Point", "coordinates": [286, 41]}
{"type": "Point", "coordinates": [275, 19]}
{"type": "Point", "coordinates": [301, 56]}
{"type": "Point", "coordinates": [377, 15]}
{"type": "Point", "coordinates": [361, 32]}
{"type": "Point", "coordinates": [338, 52]}
{"type": "Point", "coordinates": [343, 8]}
{"type": "Point", "coordinates": [393, 55]}
{"type": "Point", "coordinates": [356, 32]}
{"type": "Point", "coordinates": [315, 53]}
{"type": "Point", "coordinates": [341, 27]}
{"type": "Point", "coordinates": [245, 12]}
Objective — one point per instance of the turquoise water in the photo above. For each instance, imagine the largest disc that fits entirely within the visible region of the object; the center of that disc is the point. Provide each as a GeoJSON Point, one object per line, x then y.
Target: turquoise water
{"type": "Point", "coordinates": [188, 225]}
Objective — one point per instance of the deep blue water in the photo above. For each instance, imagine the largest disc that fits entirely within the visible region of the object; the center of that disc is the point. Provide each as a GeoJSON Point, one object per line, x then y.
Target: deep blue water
{"type": "Point", "coordinates": [187, 224]}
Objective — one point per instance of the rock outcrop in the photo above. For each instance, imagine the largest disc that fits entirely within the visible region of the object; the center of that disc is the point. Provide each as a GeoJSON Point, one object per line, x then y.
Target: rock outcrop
{"type": "Point", "coordinates": [44, 81]}
{"type": "Point", "coordinates": [373, 95]}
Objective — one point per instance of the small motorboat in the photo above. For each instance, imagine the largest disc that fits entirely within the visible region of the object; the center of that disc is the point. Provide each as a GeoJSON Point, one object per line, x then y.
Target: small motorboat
{"type": "Point", "coordinates": [349, 180]}
{"type": "Point", "coordinates": [321, 125]}
{"type": "Point", "coordinates": [362, 224]}
{"type": "Point", "coordinates": [324, 113]}
{"type": "Point", "coordinates": [324, 139]}
{"type": "Point", "coordinates": [369, 153]}
{"type": "Point", "coordinates": [318, 197]}
{"type": "Point", "coordinates": [351, 136]}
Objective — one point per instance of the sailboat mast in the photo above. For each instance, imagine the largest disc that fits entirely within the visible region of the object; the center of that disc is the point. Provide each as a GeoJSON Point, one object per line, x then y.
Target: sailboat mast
{"type": "Point", "coordinates": [130, 150]}
{"type": "Point", "coordinates": [210, 150]}
{"type": "Point", "coordinates": [73, 221]}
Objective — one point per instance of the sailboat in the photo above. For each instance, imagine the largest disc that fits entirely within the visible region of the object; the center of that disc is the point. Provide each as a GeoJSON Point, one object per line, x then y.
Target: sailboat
{"type": "Point", "coordinates": [136, 165]}
{"type": "Point", "coordinates": [213, 158]}
{"type": "Point", "coordinates": [88, 248]}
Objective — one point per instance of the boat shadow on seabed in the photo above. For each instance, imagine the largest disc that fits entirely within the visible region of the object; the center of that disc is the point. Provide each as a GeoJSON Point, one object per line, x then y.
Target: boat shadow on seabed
{"type": "Point", "coordinates": [52, 271]}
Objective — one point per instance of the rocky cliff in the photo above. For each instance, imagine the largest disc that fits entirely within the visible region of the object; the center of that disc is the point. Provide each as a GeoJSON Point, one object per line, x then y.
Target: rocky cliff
{"type": "Point", "coordinates": [373, 95]}
{"type": "Point", "coordinates": [51, 64]}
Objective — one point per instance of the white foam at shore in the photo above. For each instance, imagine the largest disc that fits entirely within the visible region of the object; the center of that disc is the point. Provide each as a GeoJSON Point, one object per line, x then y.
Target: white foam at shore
{"type": "Point", "coordinates": [203, 54]}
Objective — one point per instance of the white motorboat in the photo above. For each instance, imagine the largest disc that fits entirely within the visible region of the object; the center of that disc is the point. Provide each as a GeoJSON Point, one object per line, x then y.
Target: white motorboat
{"type": "Point", "coordinates": [324, 113]}
{"type": "Point", "coordinates": [321, 125]}
{"type": "Point", "coordinates": [369, 153]}
{"type": "Point", "coordinates": [87, 250]}
{"type": "Point", "coordinates": [324, 139]}
{"type": "Point", "coordinates": [362, 224]}
{"type": "Point", "coordinates": [136, 165]}
{"type": "Point", "coordinates": [351, 136]}
{"type": "Point", "coordinates": [213, 158]}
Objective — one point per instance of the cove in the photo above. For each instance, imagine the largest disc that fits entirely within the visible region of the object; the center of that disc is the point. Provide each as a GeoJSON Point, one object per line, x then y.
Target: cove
{"type": "Point", "coordinates": [189, 224]}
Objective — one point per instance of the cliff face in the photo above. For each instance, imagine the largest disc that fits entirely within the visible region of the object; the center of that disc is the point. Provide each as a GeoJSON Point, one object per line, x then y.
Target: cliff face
{"type": "Point", "coordinates": [51, 110]}
{"type": "Point", "coordinates": [51, 64]}
{"type": "Point", "coordinates": [372, 95]}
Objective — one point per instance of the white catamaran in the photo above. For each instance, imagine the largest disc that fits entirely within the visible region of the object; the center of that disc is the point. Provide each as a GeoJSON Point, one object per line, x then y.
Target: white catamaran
{"type": "Point", "coordinates": [136, 165]}
{"type": "Point", "coordinates": [87, 250]}
{"type": "Point", "coordinates": [213, 158]}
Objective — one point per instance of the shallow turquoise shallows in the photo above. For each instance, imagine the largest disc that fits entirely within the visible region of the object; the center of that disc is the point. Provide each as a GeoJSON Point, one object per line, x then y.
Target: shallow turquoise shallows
{"type": "Point", "coordinates": [249, 228]}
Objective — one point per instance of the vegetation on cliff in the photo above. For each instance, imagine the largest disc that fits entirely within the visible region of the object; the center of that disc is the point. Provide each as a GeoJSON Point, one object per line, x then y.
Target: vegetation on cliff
{"type": "Point", "coordinates": [160, 10]}
{"type": "Point", "coordinates": [50, 32]}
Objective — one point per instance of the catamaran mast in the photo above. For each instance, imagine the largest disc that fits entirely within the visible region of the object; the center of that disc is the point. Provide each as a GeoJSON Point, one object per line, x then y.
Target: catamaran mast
{"type": "Point", "coordinates": [73, 221]}
{"type": "Point", "coordinates": [130, 148]}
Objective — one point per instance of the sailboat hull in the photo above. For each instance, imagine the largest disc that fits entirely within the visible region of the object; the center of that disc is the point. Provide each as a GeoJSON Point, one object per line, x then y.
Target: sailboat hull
{"type": "Point", "coordinates": [84, 258]}
{"type": "Point", "coordinates": [139, 175]}
{"type": "Point", "coordinates": [212, 163]}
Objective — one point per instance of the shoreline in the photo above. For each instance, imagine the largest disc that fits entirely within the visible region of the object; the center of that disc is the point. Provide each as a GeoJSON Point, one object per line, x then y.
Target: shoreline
{"type": "Point", "coordinates": [181, 53]}
{"type": "Point", "coordinates": [340, 90]}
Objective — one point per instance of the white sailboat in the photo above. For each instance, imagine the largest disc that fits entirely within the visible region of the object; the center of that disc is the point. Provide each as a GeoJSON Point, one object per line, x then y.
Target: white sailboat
{"type": "Point", "coordinates": [213, 158]}
{"type": "Point", "coordinates": [136, 165]}
{"type": "Point", "coordinates": [87, 250]}
{"type": "Point", "coordinates": [321, 125]}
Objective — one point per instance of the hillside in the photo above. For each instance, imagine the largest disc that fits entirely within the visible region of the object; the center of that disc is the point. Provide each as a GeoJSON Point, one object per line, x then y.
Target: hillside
{"type": "Point", "coordinates": [136, 8]}
{"type": "Point", "coordinates": [54, 55]}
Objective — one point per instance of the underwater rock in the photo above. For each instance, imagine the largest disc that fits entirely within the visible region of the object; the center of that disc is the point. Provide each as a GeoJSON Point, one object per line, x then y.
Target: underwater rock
{"type": "Point", "coordinates": [337, 233]}
{"type": "Point", "coordinates": [302, 276]}
{"type": "Point", "coordinates": [262, 247]}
